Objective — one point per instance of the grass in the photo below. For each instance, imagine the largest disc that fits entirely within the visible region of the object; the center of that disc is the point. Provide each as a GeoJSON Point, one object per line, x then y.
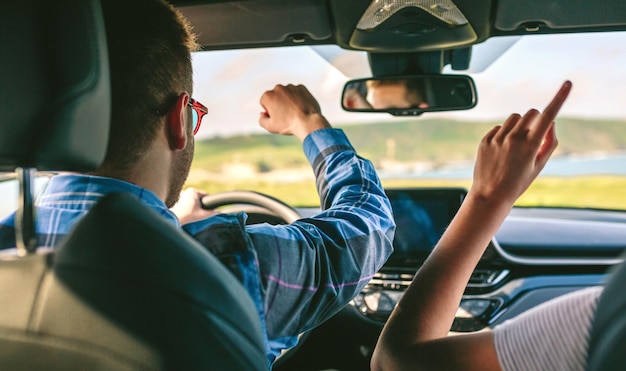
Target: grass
{"type": "Point", "coordinates": [412, 141]}
{"type": "Point", "coordinates": [604, 192]}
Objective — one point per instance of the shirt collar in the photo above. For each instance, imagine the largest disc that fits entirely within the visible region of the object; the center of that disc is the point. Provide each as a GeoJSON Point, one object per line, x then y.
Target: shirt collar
{"type": "Point", "coordinates": [81, 192]}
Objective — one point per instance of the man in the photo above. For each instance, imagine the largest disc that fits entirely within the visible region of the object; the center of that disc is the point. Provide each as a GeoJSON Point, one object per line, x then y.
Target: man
{"type": "Point", "coordinates": [386, 94]}
{"type": "Point", "coordinates": [298, 275]}
{"type": "Point", "coordinates": [549, 337]}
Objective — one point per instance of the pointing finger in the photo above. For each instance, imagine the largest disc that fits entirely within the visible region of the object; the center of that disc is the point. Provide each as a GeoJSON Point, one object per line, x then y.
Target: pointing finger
{"type": "Point", "coordinates": [549, 114]}
{"type": "Point", "coordinates": [546, 119]}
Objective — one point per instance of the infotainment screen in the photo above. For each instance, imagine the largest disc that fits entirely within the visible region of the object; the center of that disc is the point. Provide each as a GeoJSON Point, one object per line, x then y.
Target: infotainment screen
{"type": "Point", "coordinates": [421, 215]}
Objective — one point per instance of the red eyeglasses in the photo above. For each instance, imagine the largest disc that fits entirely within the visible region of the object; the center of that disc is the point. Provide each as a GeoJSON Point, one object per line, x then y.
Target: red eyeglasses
{"type": "Point", "coordinates": [198, 112]}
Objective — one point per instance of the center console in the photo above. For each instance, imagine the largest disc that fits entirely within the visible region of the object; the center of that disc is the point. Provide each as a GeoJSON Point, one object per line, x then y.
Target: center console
{"type": "Point", "coordinates": [421, 216]}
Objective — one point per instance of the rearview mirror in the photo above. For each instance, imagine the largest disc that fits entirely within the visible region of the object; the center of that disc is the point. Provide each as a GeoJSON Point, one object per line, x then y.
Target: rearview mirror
{"type": "Point", "coordinates": [409, 95]}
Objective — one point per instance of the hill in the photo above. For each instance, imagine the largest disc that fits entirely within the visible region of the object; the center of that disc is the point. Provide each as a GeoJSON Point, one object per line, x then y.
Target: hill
{"type": "Point", "coordinates": [412, 141]}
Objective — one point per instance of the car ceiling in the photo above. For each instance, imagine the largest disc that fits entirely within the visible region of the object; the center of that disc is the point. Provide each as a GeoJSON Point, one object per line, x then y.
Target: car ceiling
{"type": "Point", "coordinates": [264, 23]}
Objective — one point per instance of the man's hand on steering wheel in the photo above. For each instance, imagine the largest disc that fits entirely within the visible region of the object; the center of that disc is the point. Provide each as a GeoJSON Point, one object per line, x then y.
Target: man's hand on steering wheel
{"type": "Point", "coordinates": [189, 207]}
{"type": "Point", "coordinates": [195, 205]}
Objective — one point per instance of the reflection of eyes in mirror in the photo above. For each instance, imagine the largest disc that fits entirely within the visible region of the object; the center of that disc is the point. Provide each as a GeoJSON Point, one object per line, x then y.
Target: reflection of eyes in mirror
{"type": "Point", "coordinates": [393, 94]}
{"type": "Point", "coordinates": [386, 94]}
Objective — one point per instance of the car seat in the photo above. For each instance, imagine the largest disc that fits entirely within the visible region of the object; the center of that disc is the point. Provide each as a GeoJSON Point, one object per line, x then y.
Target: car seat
{"type": "Point", "coordinates": [125, 289]}
{"type": "Point", "coordinates": [607, 343]}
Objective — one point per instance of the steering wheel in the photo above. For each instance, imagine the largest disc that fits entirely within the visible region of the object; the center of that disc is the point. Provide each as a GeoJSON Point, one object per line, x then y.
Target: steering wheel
{"type": "Point", "coordinates": [250, 202]}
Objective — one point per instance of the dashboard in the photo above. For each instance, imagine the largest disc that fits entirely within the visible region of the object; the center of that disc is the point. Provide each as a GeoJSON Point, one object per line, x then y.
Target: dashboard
{"type": "Point", "coordinates": [538, 254]}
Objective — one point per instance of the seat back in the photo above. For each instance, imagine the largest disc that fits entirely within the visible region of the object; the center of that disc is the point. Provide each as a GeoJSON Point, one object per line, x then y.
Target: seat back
{"type": "Point", "coordinates": [124, 290]}
{"type": "Point", "coordinates": [607, 343]}
{"type": "Point", "coordinates": [127, 290]}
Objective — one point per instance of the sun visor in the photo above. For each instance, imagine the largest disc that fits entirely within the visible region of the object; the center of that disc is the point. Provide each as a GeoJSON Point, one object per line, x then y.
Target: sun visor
{"type": "Point", "coordinates": [256, 23]}
{"type": "Point", "coordinates": [533, 15]}
{"type": "Point", "coordinates": [412, 25]}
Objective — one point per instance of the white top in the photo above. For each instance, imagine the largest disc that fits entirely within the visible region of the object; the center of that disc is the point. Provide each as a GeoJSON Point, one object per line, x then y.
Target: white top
{"type": "Point", "coordinates": [551, 336]}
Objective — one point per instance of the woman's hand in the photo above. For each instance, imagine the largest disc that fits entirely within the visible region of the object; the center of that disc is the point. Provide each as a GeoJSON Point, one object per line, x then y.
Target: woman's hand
{"type": "Point", "coordinates": [511, 156]}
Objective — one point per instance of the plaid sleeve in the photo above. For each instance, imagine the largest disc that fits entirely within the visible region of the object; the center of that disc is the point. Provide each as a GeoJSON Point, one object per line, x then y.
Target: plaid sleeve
{"type": "Point", "coordinates": [313, 267]}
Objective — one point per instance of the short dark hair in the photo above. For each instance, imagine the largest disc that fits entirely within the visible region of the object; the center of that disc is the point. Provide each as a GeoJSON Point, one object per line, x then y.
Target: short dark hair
{"type": "Point", "coordinates": [150, 45]}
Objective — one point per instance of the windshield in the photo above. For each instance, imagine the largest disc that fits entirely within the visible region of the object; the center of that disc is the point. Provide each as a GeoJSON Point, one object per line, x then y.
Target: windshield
{"type": "Point", "coordinates": [436, 149]}
{"type": "Point", "coordinates": [433, 150]}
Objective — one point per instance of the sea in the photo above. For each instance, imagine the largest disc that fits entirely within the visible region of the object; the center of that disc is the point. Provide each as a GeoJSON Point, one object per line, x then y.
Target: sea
{"type": "Point", "coordinates": [594, 164]}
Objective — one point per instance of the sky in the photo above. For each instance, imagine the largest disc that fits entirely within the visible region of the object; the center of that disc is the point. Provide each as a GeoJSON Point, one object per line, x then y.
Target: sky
{"type": "Point", "coordinates": [527, 75]}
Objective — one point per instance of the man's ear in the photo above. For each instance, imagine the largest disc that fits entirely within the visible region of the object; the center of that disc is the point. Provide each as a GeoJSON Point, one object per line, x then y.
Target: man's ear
{"type": "Point", "coordinates": [177, 122]}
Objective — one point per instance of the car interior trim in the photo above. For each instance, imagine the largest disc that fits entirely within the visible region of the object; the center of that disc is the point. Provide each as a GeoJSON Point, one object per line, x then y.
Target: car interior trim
{"type": "Point", "coordinates": [524, 260]}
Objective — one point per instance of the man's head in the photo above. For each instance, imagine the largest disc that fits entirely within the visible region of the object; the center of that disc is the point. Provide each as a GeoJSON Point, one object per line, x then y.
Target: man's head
{"type": "Point", "coordinates": [150, 46]}
{"type": "Point", "coordinates": [395, 93]}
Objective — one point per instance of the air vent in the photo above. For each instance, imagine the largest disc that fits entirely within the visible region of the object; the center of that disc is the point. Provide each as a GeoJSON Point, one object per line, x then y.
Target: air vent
{"type": "Point", "coordinates": [487, 277]}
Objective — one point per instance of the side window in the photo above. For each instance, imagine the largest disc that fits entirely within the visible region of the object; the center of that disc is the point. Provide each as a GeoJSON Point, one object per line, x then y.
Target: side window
{"type": "Point", "coordinates": [9, 191]}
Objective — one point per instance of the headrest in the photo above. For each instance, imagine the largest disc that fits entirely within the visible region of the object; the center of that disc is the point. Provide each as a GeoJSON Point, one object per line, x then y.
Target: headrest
{"type": "Point", "coordinates": [54, 85]}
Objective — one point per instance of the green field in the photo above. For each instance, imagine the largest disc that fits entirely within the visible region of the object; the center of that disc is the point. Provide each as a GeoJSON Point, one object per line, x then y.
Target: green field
{"type": "Point", "coordinates": [429, 140]}
{"type": "Point", "coordinates": [423, 141]}
{"type": "Point", "coordinates": [605, 192]}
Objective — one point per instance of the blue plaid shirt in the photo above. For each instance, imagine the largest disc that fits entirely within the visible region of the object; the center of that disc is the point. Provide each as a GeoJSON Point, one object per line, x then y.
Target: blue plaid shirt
{"type": "Point", "coordinates": [298, 275]}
